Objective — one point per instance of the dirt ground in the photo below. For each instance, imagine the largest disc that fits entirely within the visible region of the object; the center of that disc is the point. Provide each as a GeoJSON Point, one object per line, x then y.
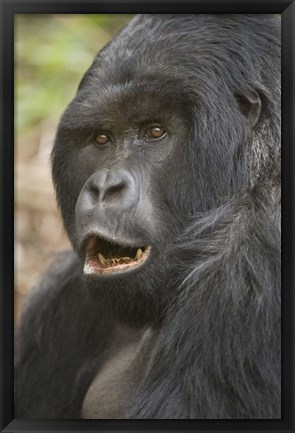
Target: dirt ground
{"type": "Point", "coordinates": [38, 229]}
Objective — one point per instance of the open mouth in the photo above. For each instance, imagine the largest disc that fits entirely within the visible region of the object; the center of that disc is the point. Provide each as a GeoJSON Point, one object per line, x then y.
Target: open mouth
{"type": "Point", "coordinates": [104, 257]}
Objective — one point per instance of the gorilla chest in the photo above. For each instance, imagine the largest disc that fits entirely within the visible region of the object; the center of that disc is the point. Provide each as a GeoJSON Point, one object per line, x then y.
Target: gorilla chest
{"type": "Point", "coordinates": [111, 393]}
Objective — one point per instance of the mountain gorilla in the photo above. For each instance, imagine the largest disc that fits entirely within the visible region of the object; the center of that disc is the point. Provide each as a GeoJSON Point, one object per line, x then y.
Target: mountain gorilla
{"type": "Point", "coordinates": [167, 172]}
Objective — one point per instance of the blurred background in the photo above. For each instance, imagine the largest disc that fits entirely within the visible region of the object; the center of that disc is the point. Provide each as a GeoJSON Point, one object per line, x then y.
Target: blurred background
{"type": "Point", "coordinates": [52, 52]}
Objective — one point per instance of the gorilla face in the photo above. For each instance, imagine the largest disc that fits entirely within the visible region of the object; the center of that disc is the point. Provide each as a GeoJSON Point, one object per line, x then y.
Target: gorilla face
{"type": "Point", "coordinates": [132, 153]}
{"type": "Point", "coordinates": [117, 152]}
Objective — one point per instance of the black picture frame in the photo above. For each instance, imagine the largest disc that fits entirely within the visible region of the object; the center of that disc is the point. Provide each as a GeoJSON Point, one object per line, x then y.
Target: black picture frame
{"type": "Point", "coordinates": [8, 9]}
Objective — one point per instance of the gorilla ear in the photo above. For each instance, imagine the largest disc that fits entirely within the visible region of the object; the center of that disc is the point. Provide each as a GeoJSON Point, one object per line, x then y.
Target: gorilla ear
{"type": "Point", "coordinates": [250, 106]}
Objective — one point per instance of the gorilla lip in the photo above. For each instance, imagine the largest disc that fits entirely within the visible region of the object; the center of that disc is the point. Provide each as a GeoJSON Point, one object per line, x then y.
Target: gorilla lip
{"type": "Point", "coordinates": [104, 257]}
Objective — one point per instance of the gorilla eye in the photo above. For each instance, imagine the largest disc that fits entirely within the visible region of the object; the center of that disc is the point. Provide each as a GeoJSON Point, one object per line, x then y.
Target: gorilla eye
{"type": "Point", "coordinates": [155, 132]}
{"type": "Point", "coordinates": [102, 139]}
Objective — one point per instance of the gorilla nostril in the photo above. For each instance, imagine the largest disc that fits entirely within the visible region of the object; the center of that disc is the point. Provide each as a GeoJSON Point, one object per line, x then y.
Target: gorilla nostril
{"type": "Point", "coordinates": [113, 192]}
{"type": "Point", "coordinates": [93, 192]}
{"type": "Point", "coordinates": [94, 188]}
{"type": "Point", "coordinates": [110, 187]}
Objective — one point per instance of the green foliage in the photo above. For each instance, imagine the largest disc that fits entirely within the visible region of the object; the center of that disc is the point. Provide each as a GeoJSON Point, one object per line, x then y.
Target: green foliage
{"type": "Point", "coordinates": [52, 52]}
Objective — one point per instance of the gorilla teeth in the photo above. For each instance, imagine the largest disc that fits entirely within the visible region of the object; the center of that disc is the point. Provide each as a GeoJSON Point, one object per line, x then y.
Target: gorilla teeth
{"type": "Point", "coordinates": [127, 259]}
{"type": "Point", "coordinates": [96, 263]}
{"type": "Point", "coordinates": [138, 253]}
{"type": "Point", "coordinates": [115, 261]}
{"type": "Point", "coordinates": [102, 260]}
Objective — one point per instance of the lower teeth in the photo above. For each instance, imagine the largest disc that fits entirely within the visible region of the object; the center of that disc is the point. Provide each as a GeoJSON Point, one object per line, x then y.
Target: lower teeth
{"type": "Point", "coordinates": [115, 261]}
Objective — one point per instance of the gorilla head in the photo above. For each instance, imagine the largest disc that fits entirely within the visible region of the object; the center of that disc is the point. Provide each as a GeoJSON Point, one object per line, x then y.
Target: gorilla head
{"type": "Point", "coordinates": [175, 115]}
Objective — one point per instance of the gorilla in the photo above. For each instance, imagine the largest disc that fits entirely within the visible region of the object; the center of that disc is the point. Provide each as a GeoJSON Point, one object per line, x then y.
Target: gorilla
{"type": "Point", "coordinates": [166, 166]}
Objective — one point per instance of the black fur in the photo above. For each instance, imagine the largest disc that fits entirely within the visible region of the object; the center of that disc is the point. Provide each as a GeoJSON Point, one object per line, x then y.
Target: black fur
{"type": "Point", "coordinates": [210, 294]}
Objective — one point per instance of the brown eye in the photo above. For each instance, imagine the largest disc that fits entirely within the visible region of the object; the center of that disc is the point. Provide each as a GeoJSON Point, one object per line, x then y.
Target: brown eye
{"type": "Point", "coordinates": [102, 139]}
{"type": "Point", "coordinates": [155, 132]}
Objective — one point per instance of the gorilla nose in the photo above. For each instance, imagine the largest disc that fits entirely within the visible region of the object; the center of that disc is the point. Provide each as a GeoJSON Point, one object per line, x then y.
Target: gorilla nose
{"type": "Point", "coordinates": [114, 189]}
